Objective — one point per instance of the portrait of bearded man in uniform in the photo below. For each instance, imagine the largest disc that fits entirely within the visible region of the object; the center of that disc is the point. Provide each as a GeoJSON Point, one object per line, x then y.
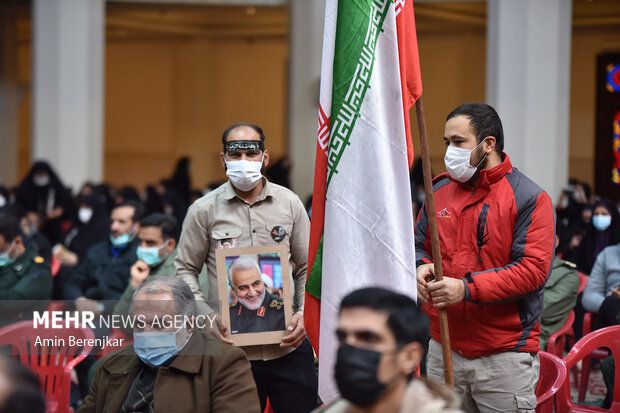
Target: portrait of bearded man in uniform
{"type": "Point", "coordinates": [256, 310]}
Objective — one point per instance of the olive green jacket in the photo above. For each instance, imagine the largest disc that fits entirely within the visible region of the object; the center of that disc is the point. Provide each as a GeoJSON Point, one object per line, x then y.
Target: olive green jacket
{"type": "Point", "coordinates": [25, 285]}
{"type": "Point", "coordinates": [560, 297]}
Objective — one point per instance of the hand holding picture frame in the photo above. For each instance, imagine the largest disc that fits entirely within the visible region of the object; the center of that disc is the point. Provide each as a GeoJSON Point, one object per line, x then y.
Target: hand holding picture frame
{"type": "Point", "coordinates": [255, 291]}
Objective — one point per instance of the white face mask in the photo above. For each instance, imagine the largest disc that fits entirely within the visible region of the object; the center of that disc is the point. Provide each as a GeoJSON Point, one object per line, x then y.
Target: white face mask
{"type": "Point", "coordinates": [41, 180]}
{"type": "Point", "coordinates": [244, 175]}
{"type": "Point", "coordinates": [457, 163]}
{"type": "Point", "coordinates": [85, 214]}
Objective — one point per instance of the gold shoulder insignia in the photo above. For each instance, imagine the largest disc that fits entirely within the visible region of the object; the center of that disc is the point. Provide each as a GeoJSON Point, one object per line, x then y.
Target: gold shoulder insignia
{"type": "Point", "coordinates": [39, 260]}
{"type": "Point", "coordinates": [277, 304]}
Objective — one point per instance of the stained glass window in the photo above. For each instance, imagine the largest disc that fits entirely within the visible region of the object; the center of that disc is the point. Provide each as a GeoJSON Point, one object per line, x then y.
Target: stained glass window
{"type": "Point", "coordinates": [613, 77]}
{"type": "Point", "coordinates": [615, 173]}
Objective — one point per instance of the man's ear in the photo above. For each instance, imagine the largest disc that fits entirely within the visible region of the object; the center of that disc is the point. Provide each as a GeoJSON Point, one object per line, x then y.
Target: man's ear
{"type": "Point", "coordinates": [172, 243]}
{"type": "Point", "coordinates": [136, 229]}
{"type": "Point", "coordinates": [191, 325]}
{"type": "Point", "coordinates": [410, 357]}
{"type": "Point", "coordinates": [265, 158]}
{"type": "Point", "coordinates": [223, 160]}
{"type": "Point", "coordinates": [489, 144]}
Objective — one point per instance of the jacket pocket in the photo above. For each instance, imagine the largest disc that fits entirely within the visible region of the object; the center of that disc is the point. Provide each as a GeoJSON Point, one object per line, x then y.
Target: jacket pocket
{"type": "Point", "coordinates": [225, 237]}
{"type": "Point", "coordinates": [525, 401]}
{"type": "Point", "coordinates": [225, 233]}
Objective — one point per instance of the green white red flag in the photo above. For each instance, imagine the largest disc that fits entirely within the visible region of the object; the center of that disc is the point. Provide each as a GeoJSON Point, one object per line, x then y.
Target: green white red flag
{"type": "Point", "coordinates": [362, 223]}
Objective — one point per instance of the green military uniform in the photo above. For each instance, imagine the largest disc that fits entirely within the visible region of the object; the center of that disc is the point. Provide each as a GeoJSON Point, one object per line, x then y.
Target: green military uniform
{"type": "Point", "coordinates": [268, 317]}
{"type": "Point", "coordinates": [560, 297]}
{"type": "Point", "coordinates": [165, 268]}
{"type": "Point", "coordinates": [27, 278]}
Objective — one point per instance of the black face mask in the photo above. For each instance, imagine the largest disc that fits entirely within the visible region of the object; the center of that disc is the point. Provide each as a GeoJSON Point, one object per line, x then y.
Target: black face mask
{"type": "Point", "coordinates": [356, 375]}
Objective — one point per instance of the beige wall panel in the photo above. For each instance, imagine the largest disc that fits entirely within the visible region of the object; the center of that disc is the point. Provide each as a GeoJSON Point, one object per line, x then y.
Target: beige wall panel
{"type": "Point", "coordinates": [250, 85]}
{"type": "Point", "coordinates": [170, 99]}
{"type": "Point", "coordinates": [139, 116]}
{"type": "Point", "coordinates": [453, 72]}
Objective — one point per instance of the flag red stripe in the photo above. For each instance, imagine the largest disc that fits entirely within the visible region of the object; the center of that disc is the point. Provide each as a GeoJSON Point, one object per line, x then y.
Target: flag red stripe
{"type": "Point", "coordinates": [409, 62]}
{"type": "Point", "coordinates": [312, 320]}
{"type": "Point", "coordinates": [312, 306]}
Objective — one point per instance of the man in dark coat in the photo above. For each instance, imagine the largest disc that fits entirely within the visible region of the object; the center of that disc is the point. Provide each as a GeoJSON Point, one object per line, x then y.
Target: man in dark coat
{"type": "Point", "coordinates": [174, 367]}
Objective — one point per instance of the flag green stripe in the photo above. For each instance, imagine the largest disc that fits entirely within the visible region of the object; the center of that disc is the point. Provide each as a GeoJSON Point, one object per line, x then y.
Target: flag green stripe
{"type": "Point", "coordinates": [313, 284]}
{"type": "Point", "coordinates": [360, 22]}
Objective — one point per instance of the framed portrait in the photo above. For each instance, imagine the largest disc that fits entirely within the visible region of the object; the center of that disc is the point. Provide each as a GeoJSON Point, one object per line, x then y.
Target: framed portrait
{"type": "Point", "coordinates": [255, 291]}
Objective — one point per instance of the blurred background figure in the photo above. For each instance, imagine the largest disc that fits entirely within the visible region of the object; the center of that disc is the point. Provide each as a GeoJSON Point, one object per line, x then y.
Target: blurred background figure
{"type": "Point", "coordinates": [20, 390]}
{"type": "Point", "coordinates": [181, 180]}
{"type": "Point", "coordinates": [279, 172]}
{"type": "Point", "coordinates": [603, 230]}
{"type": "Point", "coordinates": [42, 192]}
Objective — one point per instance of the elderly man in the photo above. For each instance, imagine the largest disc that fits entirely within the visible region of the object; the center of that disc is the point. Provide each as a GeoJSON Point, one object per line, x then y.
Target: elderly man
{"type": "Point", "coordinates": [171, 367]}
{"type": "Point", "coordinates": [381, 335]}
{"type": "Point", "coordinates": [256, 310]}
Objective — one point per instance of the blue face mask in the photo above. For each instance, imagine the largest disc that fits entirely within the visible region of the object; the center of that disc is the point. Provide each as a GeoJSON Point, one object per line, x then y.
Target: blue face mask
{"type": "Point", "coordinates": [5, 258]}
{"type": "Point", "coordinates": [150, 255]}
{"type": "Point", "coordinates": [122, 239]}
{"type": "Point", "coordinates": [601, 222]}
{"type": "Point", "coordinates": [156, 347]}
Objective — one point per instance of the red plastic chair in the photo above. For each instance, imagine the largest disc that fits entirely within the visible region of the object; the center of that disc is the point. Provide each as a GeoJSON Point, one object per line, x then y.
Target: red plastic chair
{"type": "Point", "coordinates": [117, 334]}
{"type": "Point", "coordinates": [53, 364]}
{"type": "Point", "coordinates": [54, 266]}
{"type": "Point", "coordinates": [583, 281]}
{"type": "Point", "coordinates": [552, 376]}
{"type": "Point", "coordinates": [600, 354]}
{"type": "Point", "coordinates": [605, 337]}
{"type": "Point", "coordinates": [556, 342]}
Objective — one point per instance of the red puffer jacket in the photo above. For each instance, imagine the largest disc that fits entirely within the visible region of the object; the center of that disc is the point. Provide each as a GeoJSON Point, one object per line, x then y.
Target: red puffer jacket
{"type": "Point", "coordinates": [500, 237]}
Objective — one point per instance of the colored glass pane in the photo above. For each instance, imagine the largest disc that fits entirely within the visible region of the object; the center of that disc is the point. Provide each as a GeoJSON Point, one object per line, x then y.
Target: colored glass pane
{"type": "Point", "coordinates": [613, 77]}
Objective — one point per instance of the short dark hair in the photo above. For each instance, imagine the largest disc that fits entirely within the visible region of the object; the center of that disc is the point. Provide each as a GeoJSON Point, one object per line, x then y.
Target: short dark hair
{"type": "Point", "coordinates": [484, 121]}
{"type": "Point", "coordinates": [26, 394]}
{"type": "Point", "coordinates": [406, 321]}
{"type": "Point", "coordinates": [166, 223]}
{"type": "Point", "coordinates": [9, 227]}
{"type": "Point", "coordinates": [138, 209]}
{"type": "Point", "coordinates": [238, 124]}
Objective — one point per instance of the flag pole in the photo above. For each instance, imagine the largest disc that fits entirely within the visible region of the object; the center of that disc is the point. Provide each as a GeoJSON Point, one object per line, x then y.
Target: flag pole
{"type": "Point", "coordinates": [432, 220]}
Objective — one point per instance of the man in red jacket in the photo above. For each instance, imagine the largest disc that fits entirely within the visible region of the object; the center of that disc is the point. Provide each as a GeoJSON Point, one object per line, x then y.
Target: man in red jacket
{"type": "Point", "coordinates": [496, 231]}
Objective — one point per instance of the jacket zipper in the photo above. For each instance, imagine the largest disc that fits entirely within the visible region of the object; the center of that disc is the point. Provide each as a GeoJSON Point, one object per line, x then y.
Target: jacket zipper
{"type": "Point", "coordinates": [483, 230]}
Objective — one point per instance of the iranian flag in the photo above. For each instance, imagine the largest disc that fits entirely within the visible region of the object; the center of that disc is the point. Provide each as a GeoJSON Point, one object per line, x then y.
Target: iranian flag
{"type": "Point", "coordinates": [362, 223]}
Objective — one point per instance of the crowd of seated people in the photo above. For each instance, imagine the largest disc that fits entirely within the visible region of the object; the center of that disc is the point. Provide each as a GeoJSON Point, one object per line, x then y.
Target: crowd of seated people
{"type": "Point", "coordinates": [106, 242]}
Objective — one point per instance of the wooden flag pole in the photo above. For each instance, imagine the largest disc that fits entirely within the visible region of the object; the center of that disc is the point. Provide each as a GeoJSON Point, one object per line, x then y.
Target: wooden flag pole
{"type": "Point", "coordinates": [432, 221]}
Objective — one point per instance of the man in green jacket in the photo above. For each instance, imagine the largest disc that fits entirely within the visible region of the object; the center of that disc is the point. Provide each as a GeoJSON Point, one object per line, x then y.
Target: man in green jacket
{"type": "Point", "coordinates": [23, 274]}
{"type": "Point", "coordinates": [559, 298]}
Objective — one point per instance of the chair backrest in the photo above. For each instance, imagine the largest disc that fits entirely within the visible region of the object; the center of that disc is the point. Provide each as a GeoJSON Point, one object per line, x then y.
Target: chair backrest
{"type": "Point", "coordinates": [608, 337]}
{"type": "Point", "coordinates": [50, 353]}
{"type": "Point", "coordinates": [583, 281]}
{"type": "Point", "coordinates": [552, 376]}
{"type": "Point", "coordinates": [555, 344]}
